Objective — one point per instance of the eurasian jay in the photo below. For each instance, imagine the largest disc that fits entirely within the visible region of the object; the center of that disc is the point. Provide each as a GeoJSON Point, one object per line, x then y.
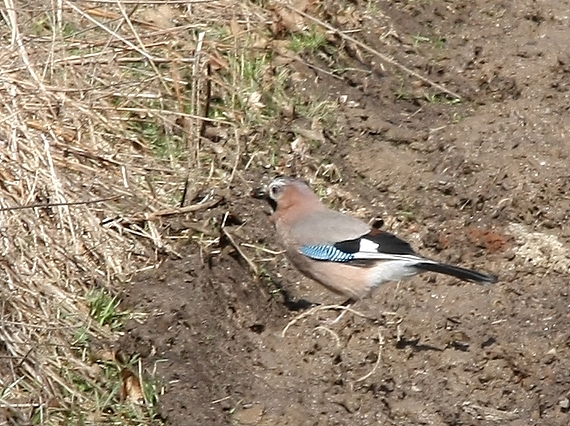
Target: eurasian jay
{"type": "Point", "coordinates": [341, 252]}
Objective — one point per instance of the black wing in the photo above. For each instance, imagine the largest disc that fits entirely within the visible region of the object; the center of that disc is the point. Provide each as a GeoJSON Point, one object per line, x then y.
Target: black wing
{"type": "Point", "coordinates": [385, 243]}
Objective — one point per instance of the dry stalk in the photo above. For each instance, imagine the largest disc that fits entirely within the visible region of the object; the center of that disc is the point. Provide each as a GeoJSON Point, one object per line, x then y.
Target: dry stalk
{"type": "Point", "coordinates": [80, 82]}
{"type": "Point", "coordinates": [226, 233]}
{"type": "Point", "coordinates": [369, 49]}
{"type": "Point", "coordinates": [316, 309]}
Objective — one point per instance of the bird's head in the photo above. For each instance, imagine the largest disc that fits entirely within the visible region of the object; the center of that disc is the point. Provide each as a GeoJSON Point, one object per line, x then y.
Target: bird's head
{"type": "Point", "coordinates": [284, 192]}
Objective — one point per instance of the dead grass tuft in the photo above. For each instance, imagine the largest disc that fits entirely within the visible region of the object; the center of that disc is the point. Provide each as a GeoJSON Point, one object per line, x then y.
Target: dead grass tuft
{"type": "Point", "coordinates": [114, 115]}
{"type": "Point", "coordinates": [103, 109]}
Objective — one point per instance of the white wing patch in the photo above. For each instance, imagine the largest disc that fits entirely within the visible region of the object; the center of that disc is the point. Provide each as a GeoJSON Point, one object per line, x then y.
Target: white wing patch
{"type": "Point", "coordinates": [369, 250]}
{"type": "Point", "coordinates": [367, 245]}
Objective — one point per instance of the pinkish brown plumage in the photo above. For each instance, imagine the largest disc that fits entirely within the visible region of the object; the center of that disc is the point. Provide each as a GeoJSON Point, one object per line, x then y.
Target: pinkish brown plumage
{"type": "Point", "coordinates": [341, 252]}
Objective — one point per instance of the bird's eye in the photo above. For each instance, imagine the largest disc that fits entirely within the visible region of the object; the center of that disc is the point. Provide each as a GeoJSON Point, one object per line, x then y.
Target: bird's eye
{"type": "Point", "coordinates": [275, 190]}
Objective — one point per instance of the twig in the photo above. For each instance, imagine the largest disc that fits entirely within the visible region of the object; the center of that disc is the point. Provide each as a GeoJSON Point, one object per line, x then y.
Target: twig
{"type": "Point", "coordinates": [332, 333]}
{"type": "Point", "coordinates": [263, 249]}
{"type": "Point", "coordinates": [197, 124]}
{"type": "Point", "coordinates": [152, 2]}
{"type": "Point", "coordinates": [159, 111]}
{"type": "Point", "coordinates": [385, 58]}
{"type": "Point", "coordinates": [11, 10]}
{"type": "Point", "coordinates": [185, 191]}
{"type": "Point", "coordinates": [127, 19]}
{"type": "Point", "coordinates": [377, 363]}
{"type": "Point", "coordinates": [237, 155]}
{"type": "Point", "coordinates": [175, 211]}
{"type": "Point", "coordinates": [316, 309]}
{"type": "Point", "coordinates": [47, 205]}
{"type": "Point", "coordinates": [108, 30]}
{"type": "Point", "coordinates": [236, 246]}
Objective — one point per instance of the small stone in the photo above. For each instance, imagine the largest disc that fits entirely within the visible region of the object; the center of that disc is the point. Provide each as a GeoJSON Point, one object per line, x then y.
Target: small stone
{"type": "Point", "coordinates": [564, 403]}
{"type": "Point", "coordinates": [250, 416]}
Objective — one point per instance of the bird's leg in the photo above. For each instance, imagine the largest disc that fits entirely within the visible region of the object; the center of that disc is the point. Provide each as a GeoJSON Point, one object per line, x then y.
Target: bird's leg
{"type": "Point", "coordinates": [346, 304]}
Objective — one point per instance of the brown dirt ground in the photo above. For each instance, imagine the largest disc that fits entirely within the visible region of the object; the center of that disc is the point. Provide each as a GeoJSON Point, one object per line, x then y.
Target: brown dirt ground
{"type": "Point", "coordinates": [487, 180]}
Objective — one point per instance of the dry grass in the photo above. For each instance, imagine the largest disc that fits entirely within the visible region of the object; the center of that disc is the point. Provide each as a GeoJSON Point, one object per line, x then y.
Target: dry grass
{"type": "Point", "coordinates": [115, 114]}
{"type": "Point", "coordinates": [103, 106]}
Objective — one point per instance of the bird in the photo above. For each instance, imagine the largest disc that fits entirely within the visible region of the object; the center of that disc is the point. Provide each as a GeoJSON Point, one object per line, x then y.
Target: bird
{"type": "Point", "coordinates": [341, 252]}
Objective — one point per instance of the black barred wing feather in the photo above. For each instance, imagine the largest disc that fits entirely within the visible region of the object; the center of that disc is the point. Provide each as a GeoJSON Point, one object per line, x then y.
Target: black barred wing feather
{"type": "Point", "coordinates": [326, 252]}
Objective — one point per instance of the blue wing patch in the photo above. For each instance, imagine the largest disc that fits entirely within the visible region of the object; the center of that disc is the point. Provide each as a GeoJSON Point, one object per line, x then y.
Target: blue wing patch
{"type": "Point", "coordinates": [326, 252]}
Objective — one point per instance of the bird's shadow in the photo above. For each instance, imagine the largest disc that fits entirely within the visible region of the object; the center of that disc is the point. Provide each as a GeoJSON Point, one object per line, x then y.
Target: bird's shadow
{"type": "Point", "coordinates": [304, 304]}
{"type": "Point", "coordinates": [415, 345]}
{"type": "Point", "coordinates": [299, 304]}
{"type": "Point", "coordinates": [294, 305]}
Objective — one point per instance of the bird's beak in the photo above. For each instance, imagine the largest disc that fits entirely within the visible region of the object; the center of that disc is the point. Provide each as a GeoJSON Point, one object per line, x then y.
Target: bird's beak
{"type": "Point", "coordinates": [259, 193]}
{"type": "Point", "coordinates": [262, 194]}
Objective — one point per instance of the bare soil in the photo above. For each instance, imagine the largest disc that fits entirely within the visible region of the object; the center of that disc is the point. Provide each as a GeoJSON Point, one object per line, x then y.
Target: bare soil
{"type": "Point", "coordinates": [483, 183]}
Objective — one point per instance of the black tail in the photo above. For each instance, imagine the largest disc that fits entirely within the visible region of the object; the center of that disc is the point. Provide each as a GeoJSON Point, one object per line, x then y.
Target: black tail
{"type": "Point", "coordinates": [458, 272]}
